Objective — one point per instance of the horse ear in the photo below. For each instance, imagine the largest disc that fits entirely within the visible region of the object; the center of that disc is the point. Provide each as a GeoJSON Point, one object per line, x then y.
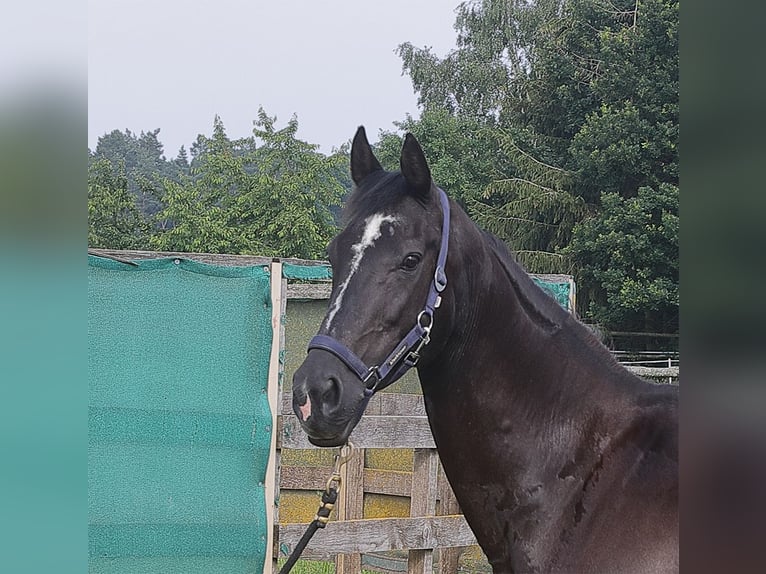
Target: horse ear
{"type": "Point", "coordinates": [363, 162]}
{"type": "Point", "coordinates": [415, 167]}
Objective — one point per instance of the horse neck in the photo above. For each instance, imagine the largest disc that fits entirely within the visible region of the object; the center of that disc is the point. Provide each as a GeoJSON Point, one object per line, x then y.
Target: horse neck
{"type": "Point", "coordinates": [524, 405]}
{"type": "Point", "coordinates": [516, 358]}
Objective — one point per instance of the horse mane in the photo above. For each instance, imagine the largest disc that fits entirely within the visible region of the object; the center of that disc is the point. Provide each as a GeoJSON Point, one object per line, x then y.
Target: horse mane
{"type": "Point", "coordinates": [546, 312]}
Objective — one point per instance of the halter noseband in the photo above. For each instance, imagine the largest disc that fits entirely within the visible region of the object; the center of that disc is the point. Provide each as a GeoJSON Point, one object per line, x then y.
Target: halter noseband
{"type": "Point", "coordinates": [407, 353]}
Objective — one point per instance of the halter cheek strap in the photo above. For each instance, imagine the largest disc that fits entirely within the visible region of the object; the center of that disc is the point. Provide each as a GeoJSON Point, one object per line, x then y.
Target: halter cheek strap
{"type": "Point", "coordinates": [407, 353]}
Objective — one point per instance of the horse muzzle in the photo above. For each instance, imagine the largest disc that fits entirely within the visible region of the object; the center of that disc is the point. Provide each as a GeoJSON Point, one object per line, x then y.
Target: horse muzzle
{"type": "Point", "coordinates": [327, 400]}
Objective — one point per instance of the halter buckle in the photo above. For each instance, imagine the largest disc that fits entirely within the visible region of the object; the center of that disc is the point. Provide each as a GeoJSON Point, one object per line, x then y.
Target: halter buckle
{"type": "Point", "coordinates": [365, 381]}
{"type": "Point", "coordinates": [413, 356]}
{"type": "Point", "coordinates": [440, 279]}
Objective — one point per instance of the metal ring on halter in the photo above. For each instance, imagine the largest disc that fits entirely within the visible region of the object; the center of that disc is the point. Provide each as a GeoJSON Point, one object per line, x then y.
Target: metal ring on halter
{"type": "Point", "coordinates": [426, 313]}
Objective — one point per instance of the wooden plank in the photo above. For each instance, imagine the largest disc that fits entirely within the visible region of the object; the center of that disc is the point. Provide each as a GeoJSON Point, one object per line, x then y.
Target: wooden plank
{"type": "Point", "coordinates": [388, 482]}
{"type": "Point", "coordinates": [371, 432]}
{"type": "Point", "coordinates": [400, 404]}
{"type": "Point", "coordinates": [287, 404]}
{"type": "Point", "coordinates": [380, 535]}
{"type": "Point", "coordinates": [423, 503]}
{"type": "Point", "coordinates": [278, 452]}
{"type": "Point", "coordinates": [396, 404]}
{"type": "Point", "coordinates": [572, 296]}
{"type": "Point", "coordinates": [552, 277]}
{"type": "Point", "coordinates": [304, 477]}
{"type": "Point", "coordinates": [654, 372]}
{"type": "Point", "coordinates": [271, 486]}
{"type": "Point", "coordinates": [222, 259]}
{"type": "Point", "coordinates": [309, 290]}
{"type": "Point", "coordinates": [248, 260]}
{"type": "Point", "coordinates": [352, 486]}
{"type": "Point", "coordinates": [351, 507]}
{"type": "Point", "coordinates": [384, 404]}
{"type": "Point", "coordinates": [449, 558]}
{"type": "Point", "coordinates": [376, 481]}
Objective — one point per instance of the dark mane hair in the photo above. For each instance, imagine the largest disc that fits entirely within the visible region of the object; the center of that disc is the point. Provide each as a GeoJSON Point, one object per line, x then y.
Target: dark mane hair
{"type": "Point", "coordinates": [547, 312]}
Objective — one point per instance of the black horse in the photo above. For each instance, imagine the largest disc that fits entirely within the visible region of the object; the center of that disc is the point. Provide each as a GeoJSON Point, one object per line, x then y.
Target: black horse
{"type": "Point", "coordinates": [561, 459]}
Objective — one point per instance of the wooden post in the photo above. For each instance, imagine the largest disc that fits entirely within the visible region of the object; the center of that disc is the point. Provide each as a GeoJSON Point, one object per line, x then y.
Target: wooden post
{"type": "Point", "coordinates": [423, 503]}
{"type": "Point", "coordinates": [572, 297]}
{"type": "Point", "coordinates": [448, 557]}
{"type": "Point", "coordinates": [351, 506]}
{"type": "Point", "coordinates": [271, 487]}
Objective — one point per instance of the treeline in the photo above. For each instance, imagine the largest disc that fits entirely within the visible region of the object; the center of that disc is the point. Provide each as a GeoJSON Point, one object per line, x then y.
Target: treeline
{"type": "Point", "coordinates": [553, 122]}
{"type": "Point", "coordinates": [267, 194]}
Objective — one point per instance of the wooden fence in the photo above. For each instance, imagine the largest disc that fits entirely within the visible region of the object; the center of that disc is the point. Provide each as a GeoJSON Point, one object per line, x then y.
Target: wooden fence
{"type": "Point", "coordinates": [390, 421]}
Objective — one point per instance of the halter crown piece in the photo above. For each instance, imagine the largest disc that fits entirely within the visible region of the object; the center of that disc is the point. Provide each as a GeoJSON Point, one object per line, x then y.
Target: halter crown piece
{"type": "Point", "coordinates": [407, 353]}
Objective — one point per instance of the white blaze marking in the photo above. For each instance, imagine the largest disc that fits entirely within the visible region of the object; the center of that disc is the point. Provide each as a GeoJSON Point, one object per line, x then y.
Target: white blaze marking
{"type": "Point", "coordinates": [370, 234]}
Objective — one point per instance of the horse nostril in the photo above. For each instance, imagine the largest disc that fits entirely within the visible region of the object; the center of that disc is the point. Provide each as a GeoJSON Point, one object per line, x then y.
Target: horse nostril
{"type": "Point", "coordinates": [330, 394]}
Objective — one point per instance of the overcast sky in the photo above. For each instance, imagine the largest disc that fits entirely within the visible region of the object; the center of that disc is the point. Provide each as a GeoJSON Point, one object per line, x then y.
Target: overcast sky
{"type": "Point", "coordinates": [174, 64]}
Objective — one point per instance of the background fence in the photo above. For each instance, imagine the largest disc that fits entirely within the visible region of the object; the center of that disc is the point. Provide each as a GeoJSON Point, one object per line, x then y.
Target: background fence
{"type": "Point", "coordinates": [391, 421]}
{"type": "Point", "coordinates": [396, 511]}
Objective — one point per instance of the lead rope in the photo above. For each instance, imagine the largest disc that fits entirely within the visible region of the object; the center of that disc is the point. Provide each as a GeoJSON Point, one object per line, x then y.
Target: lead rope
{"type": "Point", "coordinates": [322, 517]}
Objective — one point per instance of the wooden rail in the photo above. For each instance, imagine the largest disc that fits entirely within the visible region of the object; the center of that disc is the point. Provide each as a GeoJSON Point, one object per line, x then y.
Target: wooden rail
{"type": "Point", "coordinates": [422, 534]}
{"type": "Point", "coordinates": [391, 421]}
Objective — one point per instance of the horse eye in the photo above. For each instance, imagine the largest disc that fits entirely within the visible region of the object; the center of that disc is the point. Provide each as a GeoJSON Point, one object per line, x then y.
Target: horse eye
{"type": "Point", "coordinates": [411, 261]}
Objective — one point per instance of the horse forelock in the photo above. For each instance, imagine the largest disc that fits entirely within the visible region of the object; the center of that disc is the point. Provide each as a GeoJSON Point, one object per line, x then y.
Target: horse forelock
{"type": "Point", "coordinates": [380, 191]}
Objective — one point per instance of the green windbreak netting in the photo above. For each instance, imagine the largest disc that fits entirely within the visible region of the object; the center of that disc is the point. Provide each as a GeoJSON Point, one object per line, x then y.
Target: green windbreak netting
{"type": "Point", "coordinates": [179, 425]}
{"type": "Point", "coordinates": [558, 290]}
{"type": "Point", "coordinates": [306, 272]}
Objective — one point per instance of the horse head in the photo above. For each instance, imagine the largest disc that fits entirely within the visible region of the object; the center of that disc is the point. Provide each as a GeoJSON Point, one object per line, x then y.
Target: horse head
{"type": "Point", "coordinates": [573, 459]}
{"type": "Point", "coordinates": [388, 267]}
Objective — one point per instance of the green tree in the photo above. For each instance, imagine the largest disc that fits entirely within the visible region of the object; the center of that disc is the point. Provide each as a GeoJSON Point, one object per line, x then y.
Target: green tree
{"type": "Point", "coordinates": [584, 97]}
{"type": "Point", "coordinates": [496, 43]}
{"type": "Point", "coordinates": [269, 194]}
{"type": "Point", "coordinates": [196, 212]}
{"type": "Point", "coordinates": [628, 257]}
{"type": "Point", "coordinates": [144, 160]}
{"type": "Point", "coordinates": [463, 152]}
{"type": "Point", "coordinates": [114, 220]}
{"type": "Point", "coordinates": [500, 77]}
{"type": "Point", "coordinates": [630, 140]}
{"type": "Point", "coordinates": [287, 205]}
{"type": "Point", "coordinates": [182, 160]}
{"type": "Point", "coordinates": [533, 209]}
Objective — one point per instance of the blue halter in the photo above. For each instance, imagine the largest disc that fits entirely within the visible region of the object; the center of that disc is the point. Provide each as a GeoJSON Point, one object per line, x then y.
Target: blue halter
{"type": "Point", "coordinates": [407, 353]}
